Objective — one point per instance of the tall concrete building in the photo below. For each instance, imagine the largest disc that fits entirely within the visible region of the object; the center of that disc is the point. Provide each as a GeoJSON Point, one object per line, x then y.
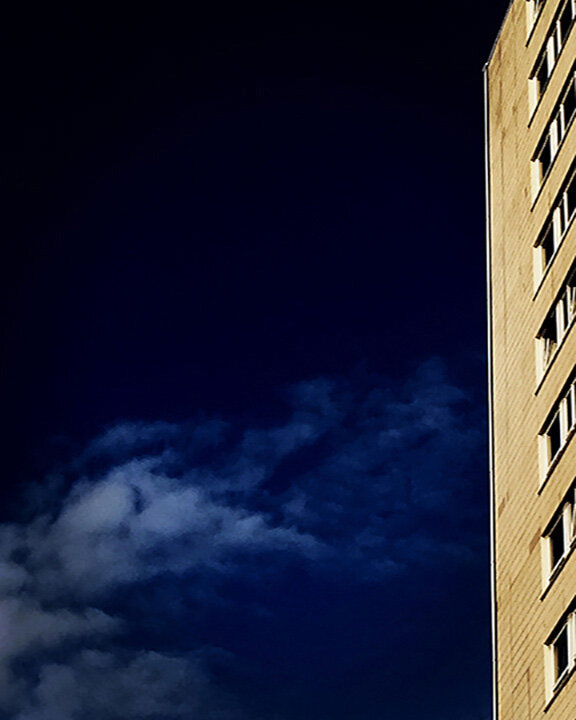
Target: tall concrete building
{"type": "Point", "coordinates": [531, 196]}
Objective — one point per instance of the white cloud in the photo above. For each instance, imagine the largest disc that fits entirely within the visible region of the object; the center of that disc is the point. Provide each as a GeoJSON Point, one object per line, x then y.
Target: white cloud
{"type": "Point", "coordinates": [27, 628]}
{"type": "Point", "coordinates": [384, 469]}
{"type": "Point", "coordinates": [136, 523]}
{"type": "Point", "coordinates": [97, 685]}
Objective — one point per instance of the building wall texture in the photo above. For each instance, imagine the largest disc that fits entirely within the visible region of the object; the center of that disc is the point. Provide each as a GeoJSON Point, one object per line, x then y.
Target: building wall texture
{"type": "Point", "coordinates": [531, 483]}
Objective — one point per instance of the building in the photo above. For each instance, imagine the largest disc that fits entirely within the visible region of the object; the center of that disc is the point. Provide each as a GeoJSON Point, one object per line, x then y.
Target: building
{"type": "Point", "coordinates": [530, 82]}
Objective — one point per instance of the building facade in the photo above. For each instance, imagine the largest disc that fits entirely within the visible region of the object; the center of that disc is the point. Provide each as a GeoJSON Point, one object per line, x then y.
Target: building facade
{"type": "Point", "coordinates": [530, 82]}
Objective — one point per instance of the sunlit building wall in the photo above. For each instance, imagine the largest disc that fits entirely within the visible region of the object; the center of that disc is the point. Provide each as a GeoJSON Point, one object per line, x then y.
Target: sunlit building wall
{"type": "Point", "coordinates": [530, 82]}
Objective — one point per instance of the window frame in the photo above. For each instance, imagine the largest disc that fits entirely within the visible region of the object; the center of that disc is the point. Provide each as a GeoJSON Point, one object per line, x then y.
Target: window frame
{"type": "Point", "coordinates": [557, 323]}
{"type": "Point", "coordinates": [562, 416]}
{"type": "Point", "coordinates": [535, 8]}
{"type": "Point", "coordinates": [565, 517]}
{"type": "Point", "coordinates": [554, 133]}
{"type": "Point", "coordinates": [558, 676]}
{"type": "Point", "coordinates": [555, 227]}
{"type": "Point", "coordinates": [551, 48]}
{"type": "Point", "coordinates": [556, 679]}
{"type": "Point", "coordinates": [547, 339]}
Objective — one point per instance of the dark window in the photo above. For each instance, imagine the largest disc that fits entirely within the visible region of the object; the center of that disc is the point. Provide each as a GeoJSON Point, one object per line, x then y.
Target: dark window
{"type": "Point", "coordinates": [549, 329]}
{"type": "Point", "coordinates": [570, 298]}
{"type": "Point", "coordinates": [571, 198]}
{"type": "Point", "coordinates": [549, 336]}
{"type": "Point", "coordinates": [561, 653]}
{"type": "Point", "coordinates": [545, 157]}
{"type": "Point", "coordinates": [547, 244]}
{"type": "Point", "coordinates": [557, 543]}
{"type": "Point", "coordinates": [569, 105]}
{"type": "Point", "coordinates": [542, 75]}
{"type": "Point", "coordinates": [554, 436]}
{"type": "Point", "coordinates": [566, 18]}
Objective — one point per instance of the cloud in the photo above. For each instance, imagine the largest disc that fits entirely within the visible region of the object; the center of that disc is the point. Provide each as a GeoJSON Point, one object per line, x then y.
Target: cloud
{"type": "Point", "coordinates": [135, 523]}
{"type": "Point", "coordinates": [27, 628]}
{"type": "Point", "coordinates": [137, 438]}
{"type": "Point", "coordinates": [361, 476]}
{"type": "Point", "coordinates": [97, 685]}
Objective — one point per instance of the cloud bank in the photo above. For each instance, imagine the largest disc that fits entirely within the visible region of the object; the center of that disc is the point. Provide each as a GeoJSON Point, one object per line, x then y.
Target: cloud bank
{"type": "Point", "coordinates": [360, 477]}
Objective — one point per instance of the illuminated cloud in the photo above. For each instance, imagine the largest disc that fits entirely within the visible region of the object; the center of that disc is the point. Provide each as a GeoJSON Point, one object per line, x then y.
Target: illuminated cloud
{"type": "Point", "coordinates": [361, 478]}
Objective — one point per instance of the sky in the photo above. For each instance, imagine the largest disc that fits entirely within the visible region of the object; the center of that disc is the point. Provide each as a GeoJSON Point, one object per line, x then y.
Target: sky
{"type": "Point", "coordinates": [244, 363]}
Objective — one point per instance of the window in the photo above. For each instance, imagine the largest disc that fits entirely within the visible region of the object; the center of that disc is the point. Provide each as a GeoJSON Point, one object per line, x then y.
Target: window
{"type": "Point", "coordinates": [559, 536]}
{"type": "Point", "coordinates": [548, 245]}
{"type": "Point", "coordinates": [555, 226]}
{"type": "Point", "coordinates": [569, 205]}
{"type": "Point", "coordinates": [558, 430]}
{"type": "Point", "coordinates": [561, 651]}
{"type": "Point", "coordinates": [546, 152]}
{"type": "Point", "coordinates": [543, 69]}
{"type": "Point", "coordinates": [556, 129]}
{"type": "Point", "coordinates": [548, 338]}
{"type": "Point", "coordinates": [557, 544]}
{"type": "Point", "coordinates": [554, 434]}
{"type": "Point", "coordinates": [565, 23]}
{"type": "Point", "coordinates": [555, 41]}
{"type": "Point", "coordinates": [541, 74]}
{"type": "Point", "coordinates": [568, 105]}
{"type": "Point", "coordinates": [558, 321]}
{"type": "Point", "coordinates": [569, 298]}
{"type": "Point", "coordinates": [534, 8]}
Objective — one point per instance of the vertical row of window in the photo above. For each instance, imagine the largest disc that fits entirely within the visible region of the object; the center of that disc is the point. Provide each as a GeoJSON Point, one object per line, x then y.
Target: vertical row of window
{"type": "Point", "coordinates": [557, 322]}
{"type": "Point", "coordinates": [553, 46]}
{"type": "Point", "coordinates": [556, 129]}
{"type": "Point", "coordinates": [556, 225]}
{"type": "Point", "coordinates": [560, 535]}
{"type": "Point", "coordinates": [560, 538]}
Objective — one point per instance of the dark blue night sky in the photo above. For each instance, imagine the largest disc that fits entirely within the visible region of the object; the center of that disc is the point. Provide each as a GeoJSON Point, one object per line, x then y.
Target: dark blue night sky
{"type": "Point", "coordinates": [243, 364]}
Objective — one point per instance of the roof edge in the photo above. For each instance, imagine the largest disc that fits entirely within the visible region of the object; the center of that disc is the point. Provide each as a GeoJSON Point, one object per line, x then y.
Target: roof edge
{"type": "Point", "coordinates": [498, 35]}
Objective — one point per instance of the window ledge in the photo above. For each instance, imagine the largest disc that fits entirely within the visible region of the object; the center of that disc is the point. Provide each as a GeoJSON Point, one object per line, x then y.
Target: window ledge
{"type": "Point", "coordinates": [558, 348]}
{"type": "Point", "coordinates": [555, 64]}
{"type": "Point", "coordinates": [556, 459]}
{"type": "Point", "coordinates": [554, 574]}
{"type": "Point", "coordinates": [547, 271]}
{"type": "Point", "coordinates": [562, 682]}
{"type": "Point", "coordinates": [539, 193]}
{"type": "Point", "coordinates": [538, 104]}
{"type": "Point", "coordinates": [552, 161]}
{"type": "Point", "coordinates": [533, 28]}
